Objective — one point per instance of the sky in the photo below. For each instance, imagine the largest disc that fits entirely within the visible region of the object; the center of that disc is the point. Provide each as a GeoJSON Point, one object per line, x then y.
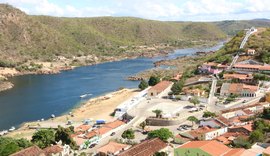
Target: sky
{"type": "Point", "coordinates": [165, 10]}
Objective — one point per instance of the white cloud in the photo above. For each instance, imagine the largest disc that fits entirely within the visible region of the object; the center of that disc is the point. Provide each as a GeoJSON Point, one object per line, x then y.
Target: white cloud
{"type": "Point", "coordinates": [151, 9]}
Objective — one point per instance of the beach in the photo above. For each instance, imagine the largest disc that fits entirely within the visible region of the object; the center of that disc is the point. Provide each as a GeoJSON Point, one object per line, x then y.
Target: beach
{"type": "Point", "coordinates": [96, 108]}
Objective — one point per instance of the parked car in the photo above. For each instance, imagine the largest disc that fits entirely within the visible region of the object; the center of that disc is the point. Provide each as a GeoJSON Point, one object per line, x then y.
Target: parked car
{"type": "Point", "coordinates": [113, 133]}
{"type": "Point", "coordinates": [92, 145]}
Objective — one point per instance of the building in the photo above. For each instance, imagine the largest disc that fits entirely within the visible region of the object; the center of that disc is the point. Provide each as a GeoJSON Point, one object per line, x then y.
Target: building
{"type": "Point", "coordinates": [250, 52]}
{"type": "Point", "coordinates": [146, 148]}
{"type": "Point", "coordinates": [239, 89]}
{"type": "Point", "coordinates": [267, 97]}
{"type": "Point", "coordinates": [112, 149]}
{"type": "Point", "coordinates": [159, 89]}
{"type": "Point", "coordinates": [266, 152]}
{"type": "Point", "coordinates": [212, 68]}
{"type": "Point", "coordinates": [228, 137]}
{"type": "Point", "coordinates": [242, 78]}
{"type": "Point", "coordinates": [30, 151]}
{"type": "Point", "coordinates": [56, 150]}
{"type": "Point", "coordinates": [207, 148]}
{"type": "Point", "coordinates": [213, 123]}
{"type": "Point", "coordinates": [251, 68]}
{"type": "Point", "coordinates": [246, 129]}
{"type": "Point", "coordinates": [204, 133]}
{"type": "Point", "coordinates": [194, 92]}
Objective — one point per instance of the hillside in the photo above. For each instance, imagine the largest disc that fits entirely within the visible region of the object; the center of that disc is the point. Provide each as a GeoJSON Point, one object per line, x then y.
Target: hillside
{"type": "Point", "coordinates": [232, 27]}
{"type": "Point", "coordinates": [24, 37]}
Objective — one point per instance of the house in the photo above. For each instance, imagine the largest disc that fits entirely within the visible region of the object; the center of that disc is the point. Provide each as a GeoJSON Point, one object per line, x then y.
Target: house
{"type": "Point", "coordinates": [246, 129]}
{"type": "Point", "coordinates": [194, 92]}
{"type": "Point", "coordinates": [159, 89]}
{"type": "Point", "coordinates": [228, 137]}
{"type": "Point", "coordinates": [251, 68]}
{"type": "Point", "coordinates": [250, 52]}
{"type": "Point", "coordinates": [212, 122]}
{"type": "Point", "coordinates": [207, 148]}
{"type": "Point", "coordinates": [146, 148]}
{"type": "Point", "coordinates": [57, 150]}
{"type": "Point", "coordinates": [239, 89]}
{"type": "Point", "coordinates": [30, 151]}
{"type": "Point", "coordinates": [242, 78]}
{"type": "Point", "coordinates": [112, 149]}
{"type": "Point", "coordinates": [204, 133]}
{"type": "Point", "coordinates": [82, 128]}
{"type": "Point", "coordinates": [211, 68]}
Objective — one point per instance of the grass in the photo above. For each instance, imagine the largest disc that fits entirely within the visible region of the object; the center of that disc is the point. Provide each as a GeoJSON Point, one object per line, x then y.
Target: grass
{"type": "Point", "coordinates": [190, 152]}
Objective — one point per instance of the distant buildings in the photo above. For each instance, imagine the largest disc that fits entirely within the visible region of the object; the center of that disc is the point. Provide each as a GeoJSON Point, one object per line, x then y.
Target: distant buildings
{"type": "Point", "coordinates": [250, 52]}
{"type": "Point", "coordinates": [112, 149]}
{"type": "Point", "coordinates": [242, 78]}
{"type": "Point", "coordinates": [239, 89]}
{"type": "Point", "coordinates": [212, 68]}
{"type": "Point", "coordinates": [159, 89]}
{"type": "Point", "coordinates": [251, 68]}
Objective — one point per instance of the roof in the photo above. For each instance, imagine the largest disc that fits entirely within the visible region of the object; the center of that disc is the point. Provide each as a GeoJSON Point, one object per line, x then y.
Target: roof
{"type": "Point", "coordinates": [114, 124]}
{"type": "Point", "coordinates": [79, 141]}
{"type": "Point", "coordinates": [112, 147]}
{"type": "Point", "coordinates": [237, 88]}
{"type": "Point", "coordinates": [30, 151]}
{"type": "Point", "coordinates": [53, 149]}
{"type": "Point", "coordinates": [202, 130]}
{"type": "Point", "coordinates": [253, 66]}
{"type": "Point", "coordinates": [161, 86]}
{"type": "Point", "coordinates": [247, 127]}
{"type": "Point", "coordinates": [212, 147]}
{"type": "Point", "coordinates": [237, 76]}
{"type": "Point", "coordinates": [145, 148]}
{"type": "Point", "coordinates": [82, 128]}
{"type": "Point", "coordinates": [235, 152]}
{"type": "Point", "coordinates": [210, 63]}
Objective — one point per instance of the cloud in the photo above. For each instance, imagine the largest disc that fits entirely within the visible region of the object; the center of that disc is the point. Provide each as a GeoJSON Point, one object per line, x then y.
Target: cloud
{"type": "Point", "coordinates": [195, 10]}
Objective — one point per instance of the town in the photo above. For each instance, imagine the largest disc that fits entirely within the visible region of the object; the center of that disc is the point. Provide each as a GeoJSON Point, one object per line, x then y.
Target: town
{"type": "Point", "coordinates": [225, 111]}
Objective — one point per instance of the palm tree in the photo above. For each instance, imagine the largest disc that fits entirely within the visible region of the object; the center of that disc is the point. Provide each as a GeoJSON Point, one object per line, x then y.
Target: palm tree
{"type": "Point", "coordinates": [158, 113]}
{"type": "Point", "coordinates": [143, 125]}
{"type": "Point", "coordinates": [192, 119]}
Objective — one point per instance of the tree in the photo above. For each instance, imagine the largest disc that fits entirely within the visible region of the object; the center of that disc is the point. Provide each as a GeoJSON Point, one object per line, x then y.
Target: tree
{"type": "Point", "coordinates": [153, 80]}
{"type": "Point", "coordinates": [192, 119]}
{"type": "Point", "coordinates": [143, 125]}
{"type": "Point", "coordinates": [194, 100]}
{"type": "Point", "coordinates": [63, 134]}
{"type": "Point", "coordinates": [23, 143]}
{"type": "Point", "coordinates": [163, 134]}
{"type": "Point", "coordinates": [266, 113]}
{"type": "Point", "coordinates": [241, 142]}
{"type": "Point", "coordinates": [160, 154]}
{"type": "Point", "coordinates": [9, 146]}
{"type": "Point", "coordinates": [128, 134]}
{"type": "Point", "coordinates": [143, 85]}
{"type": "Point", "coordinates": [208, 114]}
{"type": "Point", "coordinates": [256, 136]}
{"type": "Point", "coordinates": [158, 113]}
{"type": "Point", "coordinates": [177, 87]}
{"type": "Point", "coordinates": [43, 138]}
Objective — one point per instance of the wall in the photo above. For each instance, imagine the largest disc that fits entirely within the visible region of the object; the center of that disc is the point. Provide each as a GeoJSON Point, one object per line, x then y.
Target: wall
{"type": "Point", "coordinates": [162, 122]}
{"type": "Point", "coordinates": [213, 134]}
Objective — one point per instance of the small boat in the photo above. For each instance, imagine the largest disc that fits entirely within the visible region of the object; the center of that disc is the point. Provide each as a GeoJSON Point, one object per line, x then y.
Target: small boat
{"type": "Point", "coordinates": [52, 116]}
{"type": "Point", "coordinates": [12, 129]}
{"type": "Point", "coordinates": [85, 95]}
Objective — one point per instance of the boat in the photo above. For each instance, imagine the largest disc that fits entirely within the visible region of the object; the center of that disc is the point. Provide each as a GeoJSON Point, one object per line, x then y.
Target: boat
{"type": "Point", "coordinates": [12, 129]}
{"type": "Point", "coordinates": [85, 95]}
{"type": "Point", "coordinates": [52, 116]}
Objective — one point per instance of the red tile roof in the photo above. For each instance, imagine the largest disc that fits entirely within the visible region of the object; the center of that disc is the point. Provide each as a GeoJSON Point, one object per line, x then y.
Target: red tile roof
{"type": "Point", "coordinates": [235, 152]}
{"type": "Point", "coordinates": [30, 151]}
{"type": "Point", "coordinates": [82, 128]}
{"type": "Point", "coordinates": [212, 147]}
{"type": "Point", "coordinates": [145, 148]}
{"type": "Point", "coordinates": [161, 86]}
{"type": "Point", "coordinates": [267, 151]}
{"type": "Point", "coordinates": [112, 147]}
{"type": "Point", "coordinates": [53, 149]}
{"type": "Point", "coordinates": [237, 76]}
{"type": "Point", "coordinates": [114, 124]}
{"type": "Point", "coordinates": [252, 66]}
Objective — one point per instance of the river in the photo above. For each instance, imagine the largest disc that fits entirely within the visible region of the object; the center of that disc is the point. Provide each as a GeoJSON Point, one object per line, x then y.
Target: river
{"type": "Point", "coordinates": [38, 96]}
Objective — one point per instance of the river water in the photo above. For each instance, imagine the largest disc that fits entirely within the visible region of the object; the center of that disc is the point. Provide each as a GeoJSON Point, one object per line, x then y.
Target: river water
{"type": "Point", "coordinates": [38, 96]}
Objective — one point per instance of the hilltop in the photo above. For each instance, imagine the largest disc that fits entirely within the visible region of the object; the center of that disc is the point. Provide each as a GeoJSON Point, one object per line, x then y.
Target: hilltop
{"type": "Point", "coordinates": [24, 37]}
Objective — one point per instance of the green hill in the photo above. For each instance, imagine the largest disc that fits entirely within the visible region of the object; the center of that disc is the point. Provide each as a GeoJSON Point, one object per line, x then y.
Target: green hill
{"type": "Point", "coordinates": [24, 37]}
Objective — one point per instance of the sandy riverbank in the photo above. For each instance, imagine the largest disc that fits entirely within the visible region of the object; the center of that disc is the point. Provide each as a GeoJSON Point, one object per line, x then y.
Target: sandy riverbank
{"type": "Point", "coordinates": [96, 108]}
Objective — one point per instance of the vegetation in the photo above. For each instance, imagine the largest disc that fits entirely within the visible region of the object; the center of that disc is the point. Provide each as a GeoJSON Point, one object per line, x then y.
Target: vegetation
{"type": "Point", "coordinates": [177, 87]}
{"type": "Point", "coordinates": [241, 142]}
{"type": "Point", "coordinates": [143, 125]}
{"type": "Point", "coordinates": [153, 80]}
{"type": "Point", "coordinates": [208, 114]}
{"type": "Point", "coordinates": [192, 119]}
{"type": "Point", "coordinates": [262, 77]}
{"type": "Point", "coordinates": [43, 138]}
{"type": "Point", "coordinates": [143, 85]}
{"type": "Point", "coordinates": [163, 134]}
{"type": "Point", "coordinates": [160, 154]}
{"type": "Point", "coordinates": [194, 100]}
{"type": "Point", "coordinates": [9, 146]}
{"type": "Point", "coordinates": [266, 113]}
{"type": "Point", "coordinates": [158, 113]}
{"type": "Point", "coordinates": [128, 134]}
{"type": "Point", "coordinates": [64, 134]}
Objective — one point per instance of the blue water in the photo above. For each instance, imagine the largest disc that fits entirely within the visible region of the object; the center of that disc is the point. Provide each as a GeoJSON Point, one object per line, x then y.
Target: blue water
{"type": "Point", "coordinates": [38, 96]}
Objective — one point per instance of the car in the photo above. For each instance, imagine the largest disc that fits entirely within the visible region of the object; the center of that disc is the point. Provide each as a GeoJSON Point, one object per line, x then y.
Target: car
{"type": "Point", "coordinates": [201, 105]}
{"type": "Point", "coordinates": [92, 145]}
{"type": "Point", "coordinates": [113, 133]}
{"type": "Point", "coordinates": [244, 101]}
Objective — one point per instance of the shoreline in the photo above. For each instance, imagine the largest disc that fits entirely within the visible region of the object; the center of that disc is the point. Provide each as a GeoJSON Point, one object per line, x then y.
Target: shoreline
{"type": "Point", "coordinates": [59, 66]}
{"type": "Point", "coordinates": [95, 108]}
